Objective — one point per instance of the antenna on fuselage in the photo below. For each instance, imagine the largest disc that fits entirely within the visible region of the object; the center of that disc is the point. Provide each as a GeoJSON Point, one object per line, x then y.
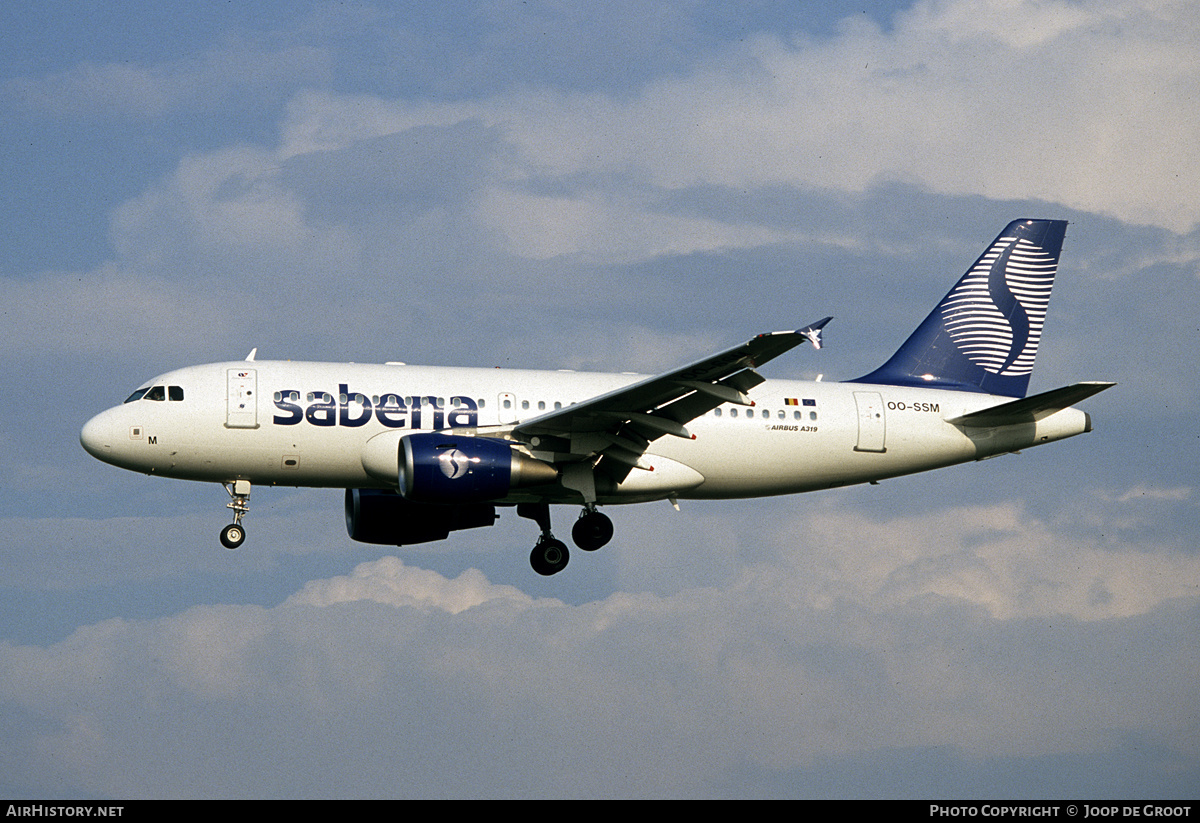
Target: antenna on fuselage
{"type": "Point", "coordinates": [253, 352]}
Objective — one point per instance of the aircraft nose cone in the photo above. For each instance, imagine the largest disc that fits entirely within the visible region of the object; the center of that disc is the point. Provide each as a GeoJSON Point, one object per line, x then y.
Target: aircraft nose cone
{"type": "Point", "coordinates": [95, 437]}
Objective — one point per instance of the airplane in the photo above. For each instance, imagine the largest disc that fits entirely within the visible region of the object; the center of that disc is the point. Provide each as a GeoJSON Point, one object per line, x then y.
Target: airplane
{"type": "Point", "coordinates": [424, 451]}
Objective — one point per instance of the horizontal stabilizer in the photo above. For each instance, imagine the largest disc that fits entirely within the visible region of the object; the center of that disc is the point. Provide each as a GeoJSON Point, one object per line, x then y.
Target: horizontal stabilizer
{"type": "Point", "coordinates": [1031, 409]}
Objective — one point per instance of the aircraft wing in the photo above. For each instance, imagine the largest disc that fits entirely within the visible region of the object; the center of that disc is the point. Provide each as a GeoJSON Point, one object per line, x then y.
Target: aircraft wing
{"type": "Point", "coordinates": [618, 426]}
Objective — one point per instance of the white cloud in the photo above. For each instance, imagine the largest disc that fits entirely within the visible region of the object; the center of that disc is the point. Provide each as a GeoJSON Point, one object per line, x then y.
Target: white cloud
{"type": "Point", "coordinates": [610, 229]}
{"type": "Point", "coordinates": [227, 210]}
{"type": "Point", "coordinates": [1092, 563]}
{"type": "Point", "coordinates": [389, 581]}
{"type": "Point", "coordinates": [633, 695]}
{"type": "Point", "coordinates": [94, 312]}
{"type": "Point", "coordinates": [206, 81]}
{"type": "Point", "coordinates": [1142, 492]}
{"type": "Point", "coordinates": [1090, 105]}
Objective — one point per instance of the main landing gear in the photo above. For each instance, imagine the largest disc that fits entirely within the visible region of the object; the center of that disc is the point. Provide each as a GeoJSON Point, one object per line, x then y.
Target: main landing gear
{"type": "Point", "coordinates": [592, 530]}
{"type": "Point", "coordinates": [550, 556]}
{"type": "Point", "coordinates": [234, 534]}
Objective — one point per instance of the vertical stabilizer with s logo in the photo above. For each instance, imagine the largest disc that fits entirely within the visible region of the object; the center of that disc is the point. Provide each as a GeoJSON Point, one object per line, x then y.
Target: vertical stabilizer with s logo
{"type": "Point", "coordinates": [984, 334]}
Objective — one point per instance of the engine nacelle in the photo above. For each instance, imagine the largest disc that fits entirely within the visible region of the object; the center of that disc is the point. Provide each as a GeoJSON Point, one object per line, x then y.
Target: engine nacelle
{"type": "Point", "coordinates": [386, 518]}
{"type": "Point", "coordinates": [447, 468]}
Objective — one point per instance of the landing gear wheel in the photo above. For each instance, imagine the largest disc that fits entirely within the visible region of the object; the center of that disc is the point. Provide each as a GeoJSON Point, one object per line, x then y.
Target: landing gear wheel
{"type": "Point", "coordinates": [232, 536]}
{"type": "Point", "coordinates": [591, 531]}
{"type": "Point", "coordinates": [549, 557]}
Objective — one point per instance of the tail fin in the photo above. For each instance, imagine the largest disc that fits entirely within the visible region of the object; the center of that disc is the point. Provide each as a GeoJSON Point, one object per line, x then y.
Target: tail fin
{"type": "Point", "coordinates": [984, 334]}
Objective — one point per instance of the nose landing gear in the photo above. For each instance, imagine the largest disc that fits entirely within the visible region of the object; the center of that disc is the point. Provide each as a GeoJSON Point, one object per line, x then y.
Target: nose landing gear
{"type": "Point", "coordinates": [234, 534]}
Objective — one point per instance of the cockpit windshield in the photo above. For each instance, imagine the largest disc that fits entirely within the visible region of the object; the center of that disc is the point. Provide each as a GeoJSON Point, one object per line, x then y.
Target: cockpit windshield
{"type": "Point", "coordinates": [173, 393]}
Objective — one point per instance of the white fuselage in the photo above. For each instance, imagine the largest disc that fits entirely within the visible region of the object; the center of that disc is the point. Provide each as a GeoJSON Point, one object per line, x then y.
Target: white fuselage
{"type": "Point", "coordinates": [337, 425]}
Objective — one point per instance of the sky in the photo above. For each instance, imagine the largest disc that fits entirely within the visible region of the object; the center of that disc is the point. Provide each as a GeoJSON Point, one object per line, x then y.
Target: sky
{"type": "Point", "coordinates": [624, 186]}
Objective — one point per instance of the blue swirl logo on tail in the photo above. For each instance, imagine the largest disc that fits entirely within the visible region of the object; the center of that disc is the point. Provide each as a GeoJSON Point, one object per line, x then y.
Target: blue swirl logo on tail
{"type": "Point", "coordinates": [996, 312]}
{"type": "Point", "coordinates": [984, 335]}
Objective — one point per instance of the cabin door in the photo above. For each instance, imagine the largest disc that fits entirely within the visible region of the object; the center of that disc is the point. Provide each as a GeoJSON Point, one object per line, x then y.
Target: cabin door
{"type": "Point", "coordinates": [241, 410]}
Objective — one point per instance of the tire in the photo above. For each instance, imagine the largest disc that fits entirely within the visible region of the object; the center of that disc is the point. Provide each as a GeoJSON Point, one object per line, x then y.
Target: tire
{"type": "Point", "coordinates": [592, 531]}
{"type": "Point", "coordinates": [232, 536]}
{"type": "Point", "coordinates": [549, 557]}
